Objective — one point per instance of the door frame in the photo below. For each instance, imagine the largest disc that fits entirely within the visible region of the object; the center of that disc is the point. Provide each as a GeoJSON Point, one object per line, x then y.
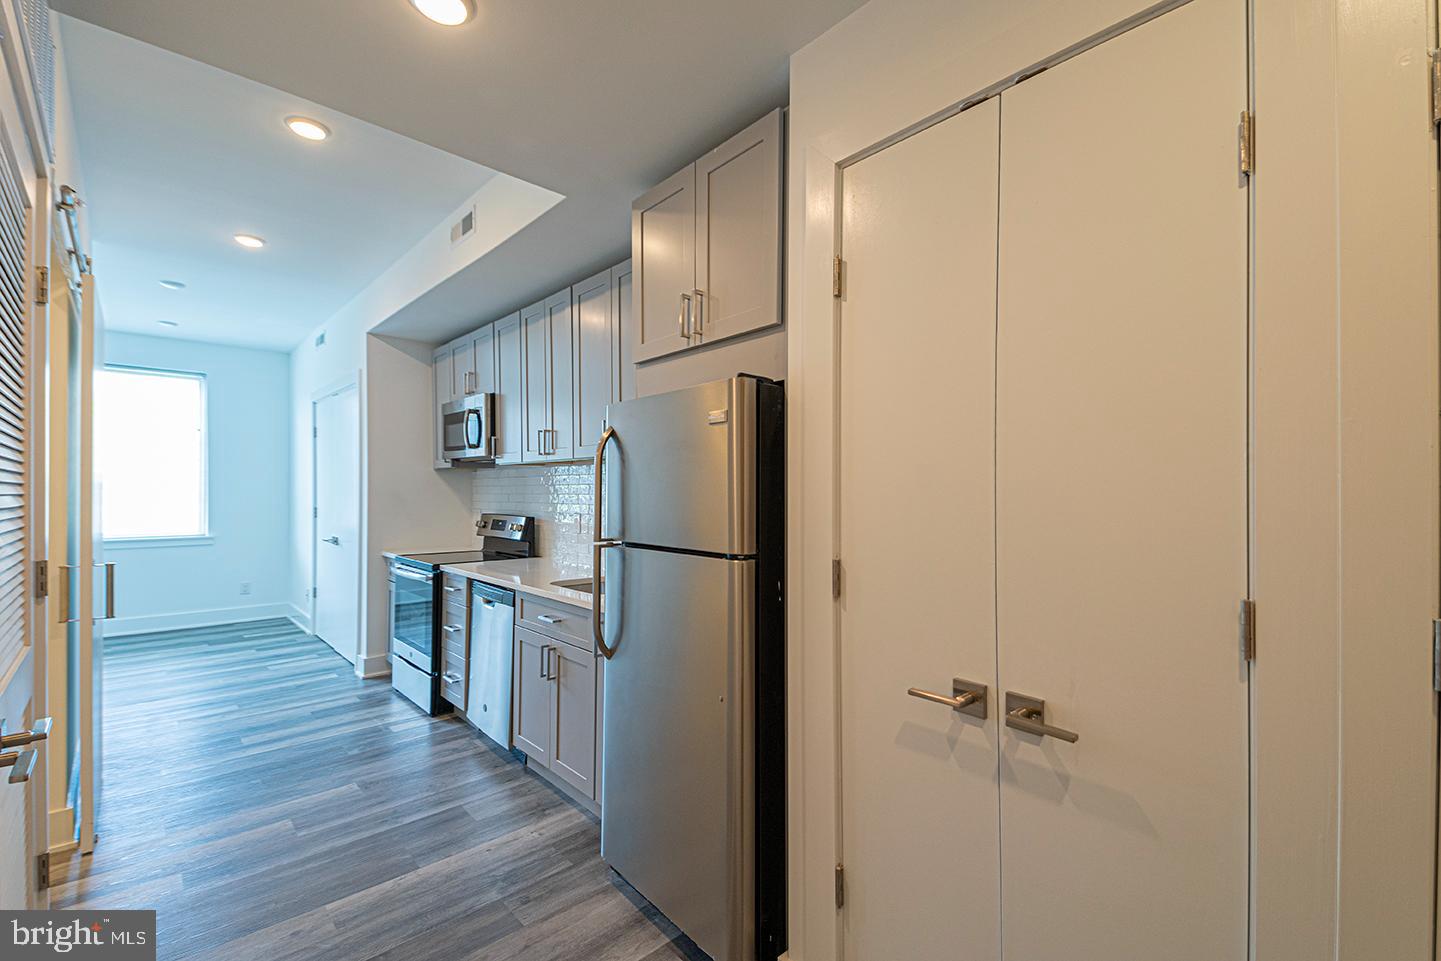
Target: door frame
{"type": "Point", "coordinates": [1303, 799]}
{"type": "Point", "coordinates": [347, 382]}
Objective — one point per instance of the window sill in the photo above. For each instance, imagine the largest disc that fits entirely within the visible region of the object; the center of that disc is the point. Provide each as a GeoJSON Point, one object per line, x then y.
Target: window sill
{"type": "Point", "coordinates": [139, 543]}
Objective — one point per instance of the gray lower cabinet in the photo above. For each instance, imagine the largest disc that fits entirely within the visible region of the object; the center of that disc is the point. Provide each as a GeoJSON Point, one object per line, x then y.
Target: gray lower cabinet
{"type": "Point", "coordinates": [556, 709]}
{"type": "Point", "coordinates": [531, 696]}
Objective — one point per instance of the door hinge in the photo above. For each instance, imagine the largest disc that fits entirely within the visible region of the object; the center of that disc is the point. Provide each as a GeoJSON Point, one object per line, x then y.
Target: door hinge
{"type": "Point", "coordinates": [315, 432]}
{"type": "Point", "coordinates": [42, 870]}
{"type": "Point", "coordinates": [837, 274]}
{"type": "Point", "coordinates": [1436, 655]}
{"type": "Point", "coordinates": [42, 285]}
{"type": "Point", "coordinates": [1435, 86]}
{"type": "Point", "coordinates": [836, 578]}
{"type": "Point", "coordinates": [1248, 629]}
{"type": "Point", "coordinates": [314, 593]}
{"type": "Point", "coordinates": [42, 579]}
{"type": "Point", "coordinates": [315, 512]}
{"type": "Point", "coordinates": [1246, 143]}
{"type": "Point", "coordinates": [840, 886]}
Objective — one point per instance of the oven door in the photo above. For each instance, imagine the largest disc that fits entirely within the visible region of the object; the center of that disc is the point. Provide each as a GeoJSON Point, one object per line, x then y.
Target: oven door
{"type": "Point", "coordinates": [412, 617]}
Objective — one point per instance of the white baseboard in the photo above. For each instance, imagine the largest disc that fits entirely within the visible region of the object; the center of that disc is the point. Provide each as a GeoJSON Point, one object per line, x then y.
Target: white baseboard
{"type": "Point", "coordinates": [300, 617]}
{"type": "Point", "coordinates": [149, 623]}
{"type": "Point", "coordinates": [62, 829]}
{"type": "Point", "coordinates": [372, 665]}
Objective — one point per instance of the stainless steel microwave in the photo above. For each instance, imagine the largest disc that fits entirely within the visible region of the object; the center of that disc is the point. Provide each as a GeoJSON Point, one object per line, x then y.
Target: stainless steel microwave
{"type": "Point", "coordinates": [467, 428]}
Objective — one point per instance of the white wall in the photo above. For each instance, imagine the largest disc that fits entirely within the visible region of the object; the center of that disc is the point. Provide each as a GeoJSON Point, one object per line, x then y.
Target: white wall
{"type": "Point", "coordinates": [248, 425]}
{"type": "Point", "coordinates": [1345, 538]}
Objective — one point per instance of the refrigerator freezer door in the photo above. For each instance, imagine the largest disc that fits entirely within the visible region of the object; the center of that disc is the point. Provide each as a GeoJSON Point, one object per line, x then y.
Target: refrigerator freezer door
{"type": "Point", "coordinates": [678, 791]}
{"type": "Point", "coordinates": [681, 472]}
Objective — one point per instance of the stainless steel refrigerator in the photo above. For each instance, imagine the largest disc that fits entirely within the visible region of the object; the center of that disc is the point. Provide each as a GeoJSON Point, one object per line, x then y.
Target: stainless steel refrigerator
{"type": "Point", "coordinates": [691, 489]}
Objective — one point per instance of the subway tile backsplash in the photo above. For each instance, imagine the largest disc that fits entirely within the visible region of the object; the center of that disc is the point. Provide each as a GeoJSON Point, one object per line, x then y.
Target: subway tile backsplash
{"type": "Point", "coordinates": [560, 497]}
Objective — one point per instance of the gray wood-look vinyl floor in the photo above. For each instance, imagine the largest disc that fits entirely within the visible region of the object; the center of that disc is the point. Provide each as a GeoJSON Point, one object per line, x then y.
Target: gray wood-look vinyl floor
{"type": "Point", "coordinates": [270, 805]}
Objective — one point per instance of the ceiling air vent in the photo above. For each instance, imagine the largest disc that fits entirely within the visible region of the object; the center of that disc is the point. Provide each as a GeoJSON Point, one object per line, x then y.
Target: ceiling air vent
{"type": "Point", "coordinates": [463, 227]}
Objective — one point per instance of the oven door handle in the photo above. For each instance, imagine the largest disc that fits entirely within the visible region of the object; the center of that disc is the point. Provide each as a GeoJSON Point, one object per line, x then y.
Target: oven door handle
{"type": "Point", "coordinates": [412, 575]}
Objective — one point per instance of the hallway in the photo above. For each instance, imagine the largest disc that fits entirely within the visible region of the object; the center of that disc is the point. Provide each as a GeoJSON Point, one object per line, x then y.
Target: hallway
{"type": "Point", "coordinates": [270, 805]}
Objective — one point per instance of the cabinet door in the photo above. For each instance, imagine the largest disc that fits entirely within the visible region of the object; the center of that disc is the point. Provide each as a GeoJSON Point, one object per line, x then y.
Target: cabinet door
{"type": "Point", "coordinates": [509, 391]}
{"type": "Point", "coordinates": [535, 361]}
{"type": "Point", "coordinates": [531, 696]}
{"type": "Point", "coordinates": [662, 241]}
{"type": "Point", "coordinates": [444, 387]}
{"type": "Point", "coordinates": [573, 724]}
{"type": "Point", "coordinates": [738, 233]}
{"type": "Point", "coordinates": [560, 393]}
{"type": "Point", "coordinates": [463, 364]}
{"type": "Point", "coordinates": [622, 312]}
{"type": "Point", "coordinates": [594, 369]}
{"type": "Point", "coordinates": [482, 349]}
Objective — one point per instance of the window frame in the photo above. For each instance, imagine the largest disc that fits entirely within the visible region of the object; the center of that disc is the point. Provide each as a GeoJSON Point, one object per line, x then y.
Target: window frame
{"type": "Point", "coordinates": [206, 535]}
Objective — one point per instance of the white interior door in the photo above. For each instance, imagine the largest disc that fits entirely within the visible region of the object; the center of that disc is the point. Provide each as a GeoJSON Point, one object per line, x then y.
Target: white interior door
{"type": "Point", "coordinates": [337, 520]}
{"type": "Point", "coordinates": [1122, 497]}
{"type": "Point", "coordinates": [920, 830]}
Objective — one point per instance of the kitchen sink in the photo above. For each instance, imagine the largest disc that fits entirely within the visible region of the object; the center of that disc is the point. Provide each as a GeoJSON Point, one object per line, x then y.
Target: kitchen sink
{"type": "Point", "coordinates": [581, 584]}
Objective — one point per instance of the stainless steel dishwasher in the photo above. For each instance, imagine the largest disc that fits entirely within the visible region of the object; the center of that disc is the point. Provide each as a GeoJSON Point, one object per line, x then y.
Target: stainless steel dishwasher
{"type": "Point", "coordinates": [492, 627]}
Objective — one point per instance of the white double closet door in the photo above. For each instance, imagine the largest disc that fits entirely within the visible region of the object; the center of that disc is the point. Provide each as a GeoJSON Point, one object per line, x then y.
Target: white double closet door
{"type": "Point", "coordinates": [1043, 489]}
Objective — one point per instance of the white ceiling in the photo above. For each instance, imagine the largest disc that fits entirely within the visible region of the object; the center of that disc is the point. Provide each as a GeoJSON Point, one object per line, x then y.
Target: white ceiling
{"type": "Point", "coordinates": [179, 156]}
{"type": "Point", "coordinates": [597, 101]}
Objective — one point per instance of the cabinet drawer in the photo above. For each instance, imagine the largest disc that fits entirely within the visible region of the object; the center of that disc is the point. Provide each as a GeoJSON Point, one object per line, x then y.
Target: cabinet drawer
{"type": "Point", "coordinates": [560, 621]}
{"type": "Point", "coordinates": [452, 640]}
{"type": "Point", "coordinates": [455, 590]}
{"type": "Point", "coordinates": [452, 680]}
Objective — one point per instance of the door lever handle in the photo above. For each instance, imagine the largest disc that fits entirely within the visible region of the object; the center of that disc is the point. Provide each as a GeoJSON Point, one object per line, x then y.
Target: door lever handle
{"type": "Point", "coordinates": [333, 540]}
{"type": "Point", "coordinates": [39, 732]}
{"type": "Point", "coordinates": [20, 763]}
{"type": "Point", "coordinates": [1029, 714]}
{"type": "Point", "coordinates": [967, 697]}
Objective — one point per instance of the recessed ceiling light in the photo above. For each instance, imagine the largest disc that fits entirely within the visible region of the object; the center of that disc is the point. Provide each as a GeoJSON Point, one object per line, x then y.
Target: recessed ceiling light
{"type": "Point", "coordinates": [172, 284]}
{"type": "Point", "coordinates": [168, 323]}
{"type": "Point", "coordinates": [449, 13]}
{"type": "Point", "coordinates": [249, 240]}
{"type": "Point", "coordinates": [307, 129]}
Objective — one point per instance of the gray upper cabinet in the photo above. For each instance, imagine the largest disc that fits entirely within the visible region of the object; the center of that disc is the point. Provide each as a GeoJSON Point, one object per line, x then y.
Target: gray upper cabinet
{"type": "Point", "coordinates": [482, 349]}
{"type": "Point", "coordinates": [534, 374]}
{"type": "Point", "coordinates": [706, 246]}
{"type": "Point", "coordinates": [662, 241]}
{"type": "Point", "coordinates": [462, 352]}
{"type": "Point", "coordinates": [549, 382]}
{"type": "Point", "coordinates": [738, 190]}
{"type": "Point", "coordinates": [596, 374]}
{"type": "Point", "coordinates": [509, 391]}
{"type": "Point", "coordinates": [622, 324]}
{"type": "Point", "coordinates": [443, 379]}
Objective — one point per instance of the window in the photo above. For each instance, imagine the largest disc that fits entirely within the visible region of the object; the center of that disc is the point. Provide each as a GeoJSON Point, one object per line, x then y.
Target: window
{"type": "Point", "coordinates": [150, 451]}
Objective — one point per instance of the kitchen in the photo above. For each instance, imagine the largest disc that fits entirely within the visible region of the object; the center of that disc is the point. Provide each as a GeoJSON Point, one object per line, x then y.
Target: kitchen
{"type": "Point", "coordinates": [842, 479]}
{"type": "Point", "coordinates": [510, 636]}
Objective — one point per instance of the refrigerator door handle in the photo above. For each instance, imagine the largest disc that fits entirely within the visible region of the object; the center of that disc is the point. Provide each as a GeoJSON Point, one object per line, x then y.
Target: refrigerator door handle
{"type": "Point", "coordinates": [598, 599]}
{"type": "Point", "coordinates": [601, 543]}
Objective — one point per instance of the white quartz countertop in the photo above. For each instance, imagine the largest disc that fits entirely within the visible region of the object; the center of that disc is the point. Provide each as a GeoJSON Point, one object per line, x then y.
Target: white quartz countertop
{"type": "Point", "coordinates": [535, 576]}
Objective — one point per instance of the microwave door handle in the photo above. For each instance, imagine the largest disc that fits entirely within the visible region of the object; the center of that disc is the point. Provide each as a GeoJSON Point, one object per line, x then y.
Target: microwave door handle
{"type": "Point", "coordinates": [472, 436]}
